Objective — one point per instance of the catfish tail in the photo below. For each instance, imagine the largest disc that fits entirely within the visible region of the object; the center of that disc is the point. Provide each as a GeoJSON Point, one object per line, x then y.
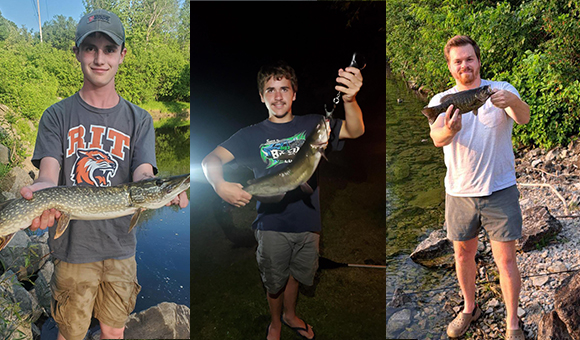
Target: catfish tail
{"type": "Point", "coordinates": [431, 113]}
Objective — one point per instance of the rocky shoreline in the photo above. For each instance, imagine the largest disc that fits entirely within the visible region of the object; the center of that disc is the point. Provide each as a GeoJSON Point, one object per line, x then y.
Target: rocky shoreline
{"type": "Point", "coordinates": [548, 258]}
{"type": "Point", "coordinates": [25, 295]}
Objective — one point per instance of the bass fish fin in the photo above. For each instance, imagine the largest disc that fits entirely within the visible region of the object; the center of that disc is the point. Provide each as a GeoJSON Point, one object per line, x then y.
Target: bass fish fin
{"type": "Point", "coordinates": [430, 113]}
{"type": "Point", "coordinates": [306, 188]}
{"type": "Point", "coordinates": [135, 219]}
{"type": "Point", "coordinates": [62, 224]}
{"type": "Point", "coordinates": [446, 97]}
{"type": "Point", "coordinates": [475, 112]}
{"type": "Point", "coordinates": [4, 240]}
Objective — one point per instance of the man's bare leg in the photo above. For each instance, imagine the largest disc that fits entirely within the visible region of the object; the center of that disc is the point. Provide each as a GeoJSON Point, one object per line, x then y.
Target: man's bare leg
{"type": "Point", "coordinates": [504, 254]}
{"type": "Point", "coordinates": [466, 270]}
{"type": "Point", "coordinates": [275, 302]}
{"type": "Point", "coordinates": [108, 332]}
{"type": "Point", "coordinates": [290, 298]}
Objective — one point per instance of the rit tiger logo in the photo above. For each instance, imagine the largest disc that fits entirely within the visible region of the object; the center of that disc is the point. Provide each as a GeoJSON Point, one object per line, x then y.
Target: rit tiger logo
{"type": "Point", "coordinates": [95, 166]}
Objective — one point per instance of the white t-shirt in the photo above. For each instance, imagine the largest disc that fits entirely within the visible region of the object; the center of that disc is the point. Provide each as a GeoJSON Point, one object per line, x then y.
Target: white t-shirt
{"type": "Point", "coordinates": [480, 158]}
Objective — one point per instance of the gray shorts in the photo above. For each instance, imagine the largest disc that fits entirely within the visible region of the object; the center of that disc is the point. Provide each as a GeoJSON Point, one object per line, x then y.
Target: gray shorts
{"type": "Point", "coordinates": [282, 254]}
{"type": "Point", "coordinates": [499, 213]}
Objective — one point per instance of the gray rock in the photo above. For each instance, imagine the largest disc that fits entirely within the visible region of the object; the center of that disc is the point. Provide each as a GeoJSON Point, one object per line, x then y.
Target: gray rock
{"type": "Point", "coordinates": [167, 320]}
{"type": "Point", "coordinates": [23, 256]}
{"type": "Point", "coordinates": [42, 285]}
{"type": "Point", "coordinates": [566, 302]}
{"type": "Point", "coordinates": [540, 280]}
{"type": "Point", "coordinates": [4, 154]}
{"type": "Point", "coordinates": [399, 321]}
{"type": "Point", "coordinates": [552, 154]}
{"type": "Point", "coordinates": [13, 292]}
{"type": "Point", "coordinates": [399, 299]}
{"type": "Point", "coordinates": [435, 251]}
{"type": "Point", "coordinates": [15, 180]}
{"type": "Point", "coordinates": [538, 226]}
{"type": "Point", "coordinates": [551, 327]}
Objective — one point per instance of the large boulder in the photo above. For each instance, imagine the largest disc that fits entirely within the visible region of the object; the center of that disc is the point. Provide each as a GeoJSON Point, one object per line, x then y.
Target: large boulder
{"type": "Point", "coordinates": [23, 256]}
{"type": "Point", "coordinates": [167, 320]}
{"type": "Point", "coordinates": [435, 251]}
{"type": "Point", "coordinates": [566, 302]}
{"type": "Point", "coordinates": [538, 226]}
{"type": "Point", "coordinates": [551, 327]}
{"type": "Point", "coordinates": [18, 300]}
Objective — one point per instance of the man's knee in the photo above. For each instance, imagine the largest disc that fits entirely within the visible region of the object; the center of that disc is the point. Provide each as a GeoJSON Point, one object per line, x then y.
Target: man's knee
{"type": "Point", "coordinates": [108, 332]}
{"type": "Point", "coordinates": [465, 251]}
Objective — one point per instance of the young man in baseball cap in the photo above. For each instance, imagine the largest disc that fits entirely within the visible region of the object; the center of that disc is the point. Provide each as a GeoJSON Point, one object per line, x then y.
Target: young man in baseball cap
{"type": "Point", "coordinates": [94, 138]}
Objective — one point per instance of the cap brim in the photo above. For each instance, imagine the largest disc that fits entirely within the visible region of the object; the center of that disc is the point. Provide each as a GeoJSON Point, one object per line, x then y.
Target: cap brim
{"type": "Point", "coordinates": [115, 38]}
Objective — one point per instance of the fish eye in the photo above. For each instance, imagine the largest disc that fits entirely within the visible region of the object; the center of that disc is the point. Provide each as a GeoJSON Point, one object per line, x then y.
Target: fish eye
{"type": "Point", "coordinates": [159, 182]}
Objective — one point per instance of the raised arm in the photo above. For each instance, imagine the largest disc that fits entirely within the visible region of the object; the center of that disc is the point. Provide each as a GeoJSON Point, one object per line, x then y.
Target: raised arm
{"type": "Point", "coordinates": [353, 126]}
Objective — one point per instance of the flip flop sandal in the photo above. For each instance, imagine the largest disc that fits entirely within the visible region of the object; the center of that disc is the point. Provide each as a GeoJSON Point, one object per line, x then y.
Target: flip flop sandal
{"type": "Point", "coordinates": [461, 323]}
{"type": "Point", "coordinates": [301, 329]}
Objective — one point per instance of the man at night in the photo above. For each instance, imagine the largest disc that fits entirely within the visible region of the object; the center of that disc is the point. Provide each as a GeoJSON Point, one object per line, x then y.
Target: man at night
{"type": "Point", "coordinates": [94, 138]}
{"type": "Point", "coordinates": [480, 183]}
{"type": "Point", "coordinates": [288, 231]}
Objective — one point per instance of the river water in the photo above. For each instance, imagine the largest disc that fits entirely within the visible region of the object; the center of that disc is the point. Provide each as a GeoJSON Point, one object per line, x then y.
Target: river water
{"type": "Point", "coordinates": [415, 206]}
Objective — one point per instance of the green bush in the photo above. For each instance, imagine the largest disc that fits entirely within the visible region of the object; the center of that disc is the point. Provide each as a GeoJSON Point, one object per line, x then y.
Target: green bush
{"type": "Point", "coordinates": [534, 45]}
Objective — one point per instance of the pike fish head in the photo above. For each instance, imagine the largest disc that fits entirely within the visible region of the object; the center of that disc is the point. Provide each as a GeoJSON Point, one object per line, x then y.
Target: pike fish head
{"type": "Point", "coordinates": [156, 192]}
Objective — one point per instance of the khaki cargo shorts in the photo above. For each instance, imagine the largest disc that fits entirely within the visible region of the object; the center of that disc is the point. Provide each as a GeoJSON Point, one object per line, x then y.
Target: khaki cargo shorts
{"type": "Point", "coordinates": [106, 290]}
{"type": "Point", "coordinates": [281, 254]}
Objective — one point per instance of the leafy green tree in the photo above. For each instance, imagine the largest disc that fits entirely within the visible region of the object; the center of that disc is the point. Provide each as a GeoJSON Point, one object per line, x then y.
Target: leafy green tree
{"type": "Point", "coordinates": [60, 32]}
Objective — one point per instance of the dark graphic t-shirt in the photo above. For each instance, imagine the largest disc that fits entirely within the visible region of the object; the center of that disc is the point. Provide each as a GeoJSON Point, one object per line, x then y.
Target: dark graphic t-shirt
{"type": "Point", "coordinates": [96, 147]}
{"type": "Point", "coordinates": [267, 147]}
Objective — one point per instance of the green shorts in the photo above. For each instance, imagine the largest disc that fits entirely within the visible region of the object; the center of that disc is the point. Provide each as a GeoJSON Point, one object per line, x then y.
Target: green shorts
{"type": "Point", "coordinates": [106, 290]}
{"type": "Point", "coordinates": [499, 213]}
{"type": "Point", "coordinates": [282, 254]}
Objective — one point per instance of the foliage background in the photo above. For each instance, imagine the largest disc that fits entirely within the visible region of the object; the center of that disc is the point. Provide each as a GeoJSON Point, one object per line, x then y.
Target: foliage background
{"type": "Point", "coordinates": [534, 45]}
{"type": "Point", "coordinates": [36, 75]}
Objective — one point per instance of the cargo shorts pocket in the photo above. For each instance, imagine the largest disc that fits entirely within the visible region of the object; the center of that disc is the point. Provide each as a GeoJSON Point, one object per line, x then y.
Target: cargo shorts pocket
{"type": "Point", "coordinates": [130, 303]}
{"type": "Point", "coordinates": [58, 305]}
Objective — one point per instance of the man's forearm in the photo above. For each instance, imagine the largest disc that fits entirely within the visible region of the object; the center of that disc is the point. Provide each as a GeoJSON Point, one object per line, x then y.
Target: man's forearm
{"type": "Point", "coordinates": [519, 111]}
{"type": "Point", "coordinates": [353, 126]}
{"type": "Point", "coordinates": [441, 136]}
{"type": "Point", "coordinates": [213, 170]}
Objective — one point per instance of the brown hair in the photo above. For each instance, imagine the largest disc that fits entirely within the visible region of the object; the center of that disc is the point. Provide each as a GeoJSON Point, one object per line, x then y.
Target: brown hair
{"type": "Point", "coordinates": [278, 70]}
{"type": "Point", "coordinates": [461, 40]}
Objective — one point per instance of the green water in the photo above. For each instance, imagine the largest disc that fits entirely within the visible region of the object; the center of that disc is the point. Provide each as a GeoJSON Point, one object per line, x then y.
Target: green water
{"type": "Point", "coordinates": [415, 206]}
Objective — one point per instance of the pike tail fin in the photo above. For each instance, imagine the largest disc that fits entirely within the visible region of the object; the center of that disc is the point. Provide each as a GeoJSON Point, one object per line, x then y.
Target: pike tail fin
{"type": "Point", "coordinates": [62, 224]}
{"type": "Point", "coordinates": [4, 240]}
{"type": "Point", "coordinates": [430, 113]}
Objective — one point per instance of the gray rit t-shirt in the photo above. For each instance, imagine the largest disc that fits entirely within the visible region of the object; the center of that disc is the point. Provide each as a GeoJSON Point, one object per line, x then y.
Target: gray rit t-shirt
{"type": "Point", "coordinates": [96, 147]}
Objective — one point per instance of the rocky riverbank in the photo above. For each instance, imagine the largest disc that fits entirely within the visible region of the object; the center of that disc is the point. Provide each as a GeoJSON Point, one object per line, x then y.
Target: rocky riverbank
{"type": "Point", "coordinates": [548, 257]}
{"type": "Point", "coordinates": [25, 285]}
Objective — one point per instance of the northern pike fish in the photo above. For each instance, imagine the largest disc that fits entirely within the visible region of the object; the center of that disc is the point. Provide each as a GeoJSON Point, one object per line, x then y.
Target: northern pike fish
{"type": "Point", "coordinates": [465, 101]}
{"type": "Point", "coordinates": [89, 203]}
{"type": "Point", "coordinates": [273, 187]}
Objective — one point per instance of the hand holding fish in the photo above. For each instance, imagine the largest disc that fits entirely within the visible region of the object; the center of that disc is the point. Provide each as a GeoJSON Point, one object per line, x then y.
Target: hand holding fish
{"type": "Point", "coordinates": [352, 80]}
{"type": "Point", "coordinates": [48, 216]}
{"type": "Point", "coordinates": [180, 200]}
{"type": "Point", "coordinates": [453, 119]}
{"type": "Point", "coordinates": [233, 193]}
{"type": "Point", "coordinates": [502, 98]}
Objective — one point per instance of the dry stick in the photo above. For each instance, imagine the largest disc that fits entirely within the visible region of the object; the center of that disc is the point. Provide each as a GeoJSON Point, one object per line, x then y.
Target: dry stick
{"type": "Point", "coordinates": [553, 189]}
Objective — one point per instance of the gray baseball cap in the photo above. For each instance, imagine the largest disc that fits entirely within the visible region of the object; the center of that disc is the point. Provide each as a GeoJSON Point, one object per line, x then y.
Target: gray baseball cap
{"type": "Point", "coordinates": [100, 21]}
